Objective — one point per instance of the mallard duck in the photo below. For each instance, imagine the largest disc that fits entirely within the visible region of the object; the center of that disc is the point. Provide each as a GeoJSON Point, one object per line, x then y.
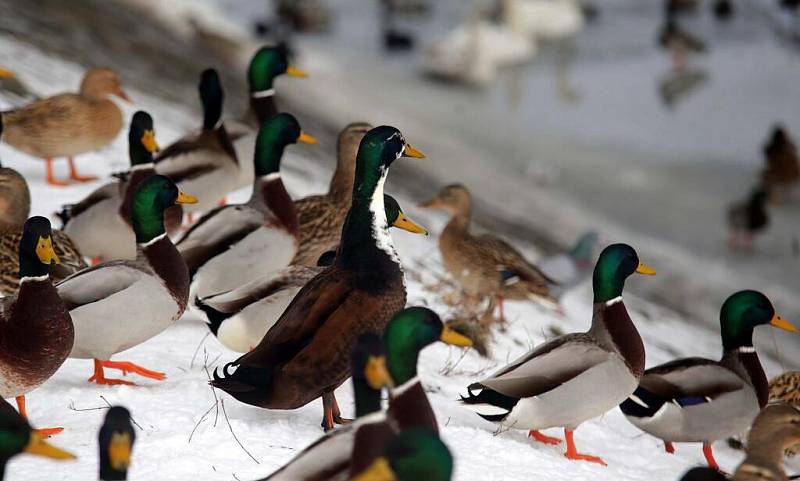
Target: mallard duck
{"type": "Point", "coordinates": [782, 165]}
{"type": "Point", "coordinates": [206, 162]}
{"type": "Point", "coordinates": [414, 454]}
{"type": "Point", "coordinates": [776, 428]}
{"type": "Point", "coordinates": [370, 376]}
{"type": "Point", "coordinates": [485, 265]}
{"type": "Point", "coordinates": [358, 445]}
{"type": "Point", "coordinates": [240, 317]}
{"type": "Point", "coordinates": [680, 43]}
{"type": "Point", "coordinates": [303, 356]}
{"type": "Point", "coordinates": [9, 82]}
{"type": "Point", "coordinates": [267, 64]}
{"type": "Point", "coordinates": [157, 283]}
{"type": "Point", "coordinates": [574, 377]}
{"type": "Point", "coordinates": [785, 388]}
{"type": "Point", "coordinates": [69, 124]}
{"type": "Point", "coordinates": [568, 269]}
{"type": "Point", "coordinates": [15, 197]}
{"type": "Point", "coordinates": [699, 400]}
{"type": "Point", "coordinates": [36, 332]}
{"type": "Point", "coordinates": [19, 437]}
{"type": "Point", "coordinates": [748, 218]}
{"type": "Point", "coordinates": [219, 249]}
{"type": "Point", "coordinates": [100, 224]}
{"type": "Point", "coordinates": [116, 440]}
{"type": "Point", "coordinates": [321, 216]}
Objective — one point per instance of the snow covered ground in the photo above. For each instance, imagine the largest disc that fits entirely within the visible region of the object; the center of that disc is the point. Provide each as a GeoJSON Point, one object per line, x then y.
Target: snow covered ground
{"type": "Point", "coordinates": [183, 436]}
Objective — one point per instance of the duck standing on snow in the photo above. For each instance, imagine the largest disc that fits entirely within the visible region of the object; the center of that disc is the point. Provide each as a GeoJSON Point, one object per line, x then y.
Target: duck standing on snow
{"type": "Point", "coordinates": [241, 317]}
{"type": "Point", "coordinates": [100, 224]}
{"type": "Point", "coordinates": [485, 265]}
{"type": "Point", "coordinates": [699, 400]}
{"type": "Point", "coordinates": [15, 207]}
{"type": "Point", "coordinates": [36, 331]}
{"type": "Point", "coordinates": [776, 428]}
{"type": "Point", "coordinates": [304, 355]}
{"type": "Point", "coordinates": [321, 216]}
{"type": "Point", "coordinates": [236, 244]}
{"type": "Point", "coordinates": [575, 377]}
{"type": "Point", "coordinates": [748, 218]}
{"type": "Point", "coordinates": [568, 269]}
{"type": "Point", "coordinates": [68, 124]}
{"type": "Point", "coordinates": [116, 439]}
{"type": "Point", "coordinates": [206, 162]}
{"type": "Point", "coordinates": [19, 437]}
{"type": "Point", "coordinates": [101, 298]}
{"type": "Point", "coordinates": [265, 67]}
{"type": "Point", "coordinates": [782, 169]}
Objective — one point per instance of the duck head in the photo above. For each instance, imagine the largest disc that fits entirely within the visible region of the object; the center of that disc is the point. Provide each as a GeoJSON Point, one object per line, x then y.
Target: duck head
{"type": "Point", "coordinates": [211, 96]}
{"type": "Point", "coordinates": [369, 372]}
{"type": "Point", "coordinates": [396, 218]}
{"type": "Point", "coordinates": [99, 83]}
{"type": "Point", "coordinates": [36, 248]}
{"type": "Point", "coordinates": [152, 197]}
{"type": "Point", "coordinates": [744, 311]}
{"type": "Point", "coordinates": [616, 263]}
{"type": "Point", "coordinates": [116, 439]}
{"type": "Point", "coordinates": [453, 198]}
{"type": "Point", "coordinates": [411, 330]}
{"type": "Point", "coordinates": [275, 134]}
{"type": "Point", "coordinates": [141, 139]}
{"type": "Point", "coordinates": [379, 148]}
{"type": "Point", "coordinates": [415, 454]}
{"type": "Point", "coordinates": [17, 436]}
{"type": "Point", "coordinates": [266, 65]}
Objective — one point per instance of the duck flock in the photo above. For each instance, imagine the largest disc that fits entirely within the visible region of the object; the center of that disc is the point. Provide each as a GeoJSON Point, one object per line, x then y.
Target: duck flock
{"type": "Point", "coordinates": [310, 292]}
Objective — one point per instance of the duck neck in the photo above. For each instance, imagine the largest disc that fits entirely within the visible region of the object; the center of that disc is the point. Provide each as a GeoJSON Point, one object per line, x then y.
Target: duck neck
{"type": "Point", "coordinates": [168, 264]}
{"type": "Point", "coordinates": [137, 153]}
{"type": "Point", "coordinates": [613, 328]}
{"type": "Point", "coordinates": [341, 186]}
{"type": "Point", "coordinates": [3, 463]}
{"type": "Point", "coordinates": [138, 173]}
{"type": "Point", "coordinates": [212, 110]}
{"type": "Point", "coordinates": [269, 193]}
{"type": "Point", "coordinates": [365, 235]}
{"type": "Point", "coordinates": [744, 360]}
{"type": "Point", "coordinates": [461, 216]}
{"type": "Point", "coordinates": [263, 104]}
{"type": "Point", "coordinates": [368, 400]}
{"type": "Point", "coordinates": [31, 268]}
{"type": "Point", "coordinates": [401, 361]}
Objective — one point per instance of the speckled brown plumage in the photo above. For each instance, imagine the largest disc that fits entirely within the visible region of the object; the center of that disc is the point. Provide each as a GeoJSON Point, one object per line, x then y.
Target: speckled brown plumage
{"type": "Point", "coordinates": [321, 216]}
{"type": "Point", "coordinates": [785, 388]}
{"type": "Point", "coordinates": [15, 199]}
{"type": "Point", "coordinates": [71, 259]}
{"type": "Point", "coordinates": [68, 124]}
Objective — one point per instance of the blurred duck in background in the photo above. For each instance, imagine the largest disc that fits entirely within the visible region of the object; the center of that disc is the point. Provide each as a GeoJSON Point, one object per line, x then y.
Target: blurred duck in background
{"type": "Point", "coordinates": [782, 167]}
{"type": "Point", "coordinates": [748, 218]}
{"type": "Point", "coordinates": [11, 84]}
{"type": "Point", "coordinates": [69, 124]}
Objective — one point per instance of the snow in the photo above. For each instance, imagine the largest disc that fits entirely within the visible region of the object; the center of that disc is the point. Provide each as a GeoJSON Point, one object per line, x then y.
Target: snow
{"type": "Point", "coordinates": [183, 436]}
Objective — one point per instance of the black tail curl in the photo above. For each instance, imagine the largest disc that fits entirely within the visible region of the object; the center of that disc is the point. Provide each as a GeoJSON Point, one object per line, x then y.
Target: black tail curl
{"type": "Point", "coordinates": [247, 384]}
{"type": "Point", "coordinates": [491, 397]}
{"type": "Point", "coordinates": [215, 317]}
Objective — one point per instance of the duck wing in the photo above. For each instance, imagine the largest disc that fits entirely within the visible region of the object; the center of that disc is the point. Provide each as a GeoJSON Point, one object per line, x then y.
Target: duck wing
{"type": "Point", "coordinates": [509, 260]}
{"type": "Point", "coordinates": [99, 282]}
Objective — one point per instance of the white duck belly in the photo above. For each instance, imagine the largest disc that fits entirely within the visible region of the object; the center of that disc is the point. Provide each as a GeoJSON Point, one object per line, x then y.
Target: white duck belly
{"type": "Point", "coordinates": [575, 401]}
{"type": "Point", "coordinates": [111, 325]}
{"type": "Point", "coordinates": [262, 252]}
{"type": "Point", "coordinates": [243, 331]}
{"type": "Point", "coordinates": [99, 231]}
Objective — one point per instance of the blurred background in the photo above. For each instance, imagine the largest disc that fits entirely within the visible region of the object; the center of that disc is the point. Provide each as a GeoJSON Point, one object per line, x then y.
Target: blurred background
{"type": "Point", "coordinates": [655, 122]}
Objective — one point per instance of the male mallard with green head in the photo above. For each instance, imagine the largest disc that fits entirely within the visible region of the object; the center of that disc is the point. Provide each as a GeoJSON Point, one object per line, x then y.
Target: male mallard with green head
{"type": "Point", "coordinates": [69, 124]}
{"type": "Point", "coordinates": [206, 162]}
{"type": "Point", "coordinates": [575, 377]}
{"type": "Point", "coordinates": [413, 455]}
{"type": "Point", "coordinates": [699, 400]}
{"type": "Point", "coordinates": [115, 440]}
{"type": "Point", "coordinates": [36, 331]}
{"type": "Point", "coordinates": [157, 283]}
{"type": "Point", "coordinates": [19, 437]}
{"type": "Point", "coordinates": [485, 265]}
{"type": "Point", "coordinates": [100, 224]}
{"type": "Point", "coordinates": [267, 64]}
{"type": "Point", "coordinates": [219, 248]}
{"type": "Point", "coordinates": [776, 428]}
{"type": "Point", "coordinates": [304, 355]}
{"type": "Point", "coordinates": [241, 317]}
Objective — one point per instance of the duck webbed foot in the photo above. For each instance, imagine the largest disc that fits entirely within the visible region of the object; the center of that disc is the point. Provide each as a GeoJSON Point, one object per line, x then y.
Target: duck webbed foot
{"type": "Point", "coordinates": [43, 432]}
{"type": "Point", "coordinates": [543, 438]}
{"type": "Point", "coordinates": [126, 367]}
{"type": "Point", "coordinates": [572, 451]}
